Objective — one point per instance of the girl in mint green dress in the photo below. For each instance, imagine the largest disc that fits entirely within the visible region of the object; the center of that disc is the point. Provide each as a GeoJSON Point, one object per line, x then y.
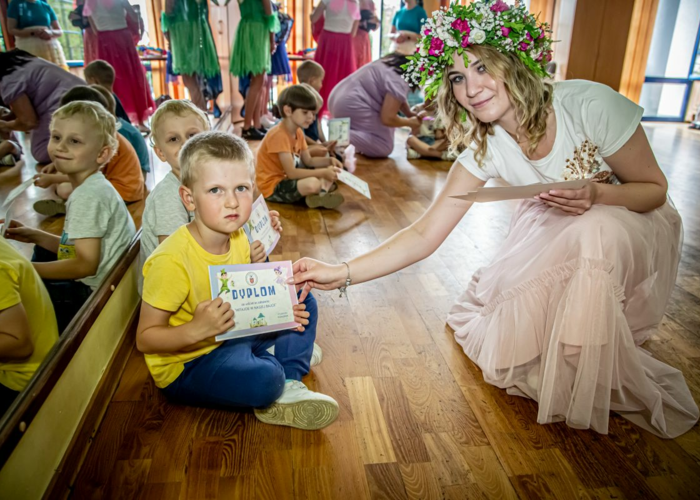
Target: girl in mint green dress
{"type": "Point", "coordinates": [186, 23]}
{"type": "Point", "coordinates": [251, 56]}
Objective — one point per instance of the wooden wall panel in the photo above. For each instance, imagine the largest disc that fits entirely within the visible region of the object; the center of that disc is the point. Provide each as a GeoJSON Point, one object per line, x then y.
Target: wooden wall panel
{"type": "Point", "coordinates": [610, 43]}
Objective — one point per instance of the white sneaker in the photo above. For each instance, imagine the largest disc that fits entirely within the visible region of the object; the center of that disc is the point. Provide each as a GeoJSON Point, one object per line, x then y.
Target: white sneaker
{"type": "Point", "coordinates": [301, 408]}
{"type": "Point", "coordinates": [412, 154]}
{"type": "Point", "coordinates": [316, 356]}
{"type": "Point", "coordinates": [266, 122]}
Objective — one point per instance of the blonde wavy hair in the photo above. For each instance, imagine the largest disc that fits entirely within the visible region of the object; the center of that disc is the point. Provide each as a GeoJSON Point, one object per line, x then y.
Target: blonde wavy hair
{"type": "Point", "coordinates": [178, 107]}
{"type": "Point", "coordinates": [104, 123]}
{"type": "Point", "coordinates": [530, 95]}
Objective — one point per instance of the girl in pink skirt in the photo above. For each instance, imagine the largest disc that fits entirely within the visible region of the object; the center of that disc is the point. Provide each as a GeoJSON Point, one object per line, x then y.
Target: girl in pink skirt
{"type": "Point", "coordinates": [336, 52]}
{"type": "Point", "coordinates": [584, 276]}
{"type": "Point", "coordinates": [116, 46]}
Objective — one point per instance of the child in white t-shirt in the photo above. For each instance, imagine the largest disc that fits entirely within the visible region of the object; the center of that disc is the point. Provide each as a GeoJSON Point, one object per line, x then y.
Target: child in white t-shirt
{"type": "Point", "coordinates": [173, 123]}
{"type": "Point", "coordinates": [98, 226]}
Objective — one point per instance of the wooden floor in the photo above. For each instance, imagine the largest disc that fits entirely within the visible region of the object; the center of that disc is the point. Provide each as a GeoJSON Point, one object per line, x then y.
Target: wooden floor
{"type": "Point", "coordinates": [417, 420]}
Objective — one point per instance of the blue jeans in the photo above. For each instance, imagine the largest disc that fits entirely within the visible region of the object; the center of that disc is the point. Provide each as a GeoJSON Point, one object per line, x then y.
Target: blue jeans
{"type": "Point", "coordinates": [67, 296]}
{"type": "Point", "coordinates": [240, 373]}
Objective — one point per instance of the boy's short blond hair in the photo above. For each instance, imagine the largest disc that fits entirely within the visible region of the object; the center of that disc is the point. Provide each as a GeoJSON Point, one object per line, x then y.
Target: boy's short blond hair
{"type": "Point", "coordinates": [179, 107]}
{"type": "Point", "coordinates": [308, 70]}
{"type": "Point", "coordinates": [102, 121]}
{"type": "Point", "coordinates": [213, 145]}
{"type": "Point", "coordinates": [319, 99]}
{"type": "Point", "coordinates": [100, 71]}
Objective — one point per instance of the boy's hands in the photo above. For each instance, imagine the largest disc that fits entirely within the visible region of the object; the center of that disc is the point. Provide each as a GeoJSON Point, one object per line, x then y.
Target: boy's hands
{"type": "Point", "coordinates": [275, 221]}
{"type": "Point", "coordinates": [257, 252]}
{"type": "Point", "coordinates": [335, 162]}
{"type": "Point", "coordinates": [19, 232]}
{"type": "Point", "coordinates": [212, 317]}
{"type": "Point", "coordinates": [330, 173]}
{"type": "Point", "coordinates": [44, 180]}
{"type": "Point", "coordinates": [301, 316]}
{"type": "Point", "coordinates": [330, 146]}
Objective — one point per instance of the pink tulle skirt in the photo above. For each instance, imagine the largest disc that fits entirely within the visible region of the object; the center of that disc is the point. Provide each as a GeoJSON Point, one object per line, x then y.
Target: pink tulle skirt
{"type": "Point", "coordinates": [363, 48]}
{"type": "Point", "coordinates": [131, 86]}
{"type": "Point", "coordinates": [560, 313]}
{"type": "Point", "coordinates": [337, 56]}
{"type": "Point", "coordinates": [90, 49]}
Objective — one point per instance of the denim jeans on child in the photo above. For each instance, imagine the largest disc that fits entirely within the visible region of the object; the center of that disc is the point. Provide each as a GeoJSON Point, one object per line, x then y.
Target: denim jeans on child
{"type": "Point", "coordinates": [67, 296]}
{"type": "Point", "coordinates": [240, 373]}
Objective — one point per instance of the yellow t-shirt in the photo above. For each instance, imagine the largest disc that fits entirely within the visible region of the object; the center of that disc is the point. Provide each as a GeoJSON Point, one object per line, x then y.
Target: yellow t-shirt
{"type": "Point", "coordinates": [19, 282]}
{"type": "Point", "coordinates": [176, 279]}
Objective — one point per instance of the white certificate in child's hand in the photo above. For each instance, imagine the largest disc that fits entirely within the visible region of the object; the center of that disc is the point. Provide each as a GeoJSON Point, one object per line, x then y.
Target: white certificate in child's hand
{"type": "Point", "coordinates": [355, 182]}
{"type": "Point", "coordinates": [261, 299]}
{"type": "Point", "coordinates": [484, 195]}
{"type": "Point", "coordinates": [259, 226]}
{"type": "Point", "coordinates": [339, 130]}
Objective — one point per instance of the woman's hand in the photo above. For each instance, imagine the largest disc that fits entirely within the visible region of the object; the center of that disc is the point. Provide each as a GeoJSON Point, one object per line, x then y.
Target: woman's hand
{"type": "Point", "coordinates": [275, 221]}
{"type": "Point", "coordinates": [301, 316]}
{"type": "Point", "coordinates": [311, 273]}
{"type": "Point", "coordinates": [19, 232]}
{"type": "Point", "coordinates": [571, 201]}
{"type": "Point", "coordinates": [415, 123]}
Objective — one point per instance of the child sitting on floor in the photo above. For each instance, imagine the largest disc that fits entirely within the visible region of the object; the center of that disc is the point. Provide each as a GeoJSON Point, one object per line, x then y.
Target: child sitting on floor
{"type": "Point", "coordinates": [431, 142]}
{"type": "Point", "coordinates": [179, 320]}
{"type": "Point", "coordinates": [98, 226]}
{"type": "Point", "coordinates": [122, 171]}
{"type": "Point", "coordinates": [286, 171]}
{"type": "Point", "coordinates": [311, 73]}
{"type": "Point", "coordinates": [101, 73]}
{"type": "Point", "coordinates": [174, 122]}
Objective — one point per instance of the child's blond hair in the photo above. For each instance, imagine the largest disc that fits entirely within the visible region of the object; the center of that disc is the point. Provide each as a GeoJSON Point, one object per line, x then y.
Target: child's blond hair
{"type": "Point", "coordinates": [308, 70]}
{"type": "Point", "coordinates": [100, 71]}
{"type": "Point", "coordinates": [104, 124]}
{"type": "Point", "coordinates": [213, 145]}
{"type": "Point", "coordinates": [179, 107]}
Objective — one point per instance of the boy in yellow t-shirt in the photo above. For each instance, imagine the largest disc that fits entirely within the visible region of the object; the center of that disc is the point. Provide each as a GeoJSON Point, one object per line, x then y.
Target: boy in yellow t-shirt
{"type": "Point", "coordinates": [179, 320]}
{"type": "Point", "coordinates": [28, 328]}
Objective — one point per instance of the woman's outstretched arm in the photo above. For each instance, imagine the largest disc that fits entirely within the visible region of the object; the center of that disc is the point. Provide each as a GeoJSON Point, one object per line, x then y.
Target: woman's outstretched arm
{"type": "Point", "coordinates": [406, 247]}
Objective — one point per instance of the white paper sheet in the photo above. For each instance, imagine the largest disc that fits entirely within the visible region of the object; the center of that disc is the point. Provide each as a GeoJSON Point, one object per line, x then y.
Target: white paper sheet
{"type": "Point", "coordinates": [484, 195]}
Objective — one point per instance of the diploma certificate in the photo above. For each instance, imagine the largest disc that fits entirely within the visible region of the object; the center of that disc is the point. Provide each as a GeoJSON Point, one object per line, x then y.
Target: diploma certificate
{"type": "Point", "coordinates": [261, 299]}
{"type": "Point", "coordinates": [259, 226]}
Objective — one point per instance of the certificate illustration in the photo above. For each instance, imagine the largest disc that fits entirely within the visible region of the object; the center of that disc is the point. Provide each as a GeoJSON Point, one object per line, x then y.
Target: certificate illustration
{"type": "Point", "coordinates": [259, 226]}
{"type": "Point", "coordinates": [339, 130]}
{"type": "Point", "coordinates": [259, 296]}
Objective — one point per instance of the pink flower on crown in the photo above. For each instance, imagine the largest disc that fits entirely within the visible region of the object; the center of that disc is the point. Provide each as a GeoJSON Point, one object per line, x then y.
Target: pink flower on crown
{"type": "Point", "coordinates": [541, 33]}
{"type": "Point", "coordinates": [500, 6]}
{"type": "Point", "coordinates": [461, 25]}
{"type": "Point", "coordinates": [426, 31]}
{"type": "Point", "coordinates": [548, 57]}
{"type": "Point", "coordinates": [421, 69]}
{"type": "Point", "coordinates": [465, 42]}
{"type": "Point", "coordinates": [431, 72]}
{"type": "Point", "coordinates": [436, 46]}
{"type": "Point", "coordinates": [529, 36]}
{"type": "Point", "coordinates": [505, 31]}
{"type": "Point", "coordinates": [523, 46]}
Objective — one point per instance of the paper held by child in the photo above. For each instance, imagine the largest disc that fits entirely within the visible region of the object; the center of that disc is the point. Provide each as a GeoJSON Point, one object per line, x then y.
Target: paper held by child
{"type": "Point", "coordinates": [259, 295]}
{"type": "Point", "coordinates": [259, 226]}
{"type": "Point", "coordinates": [17, 191]}
{"type": "Point", "coordinates": [355, 182]}
{"type": "Point", "coordinates": [339, 131]}
{"type": "Point", "coordinates": [484, 195]}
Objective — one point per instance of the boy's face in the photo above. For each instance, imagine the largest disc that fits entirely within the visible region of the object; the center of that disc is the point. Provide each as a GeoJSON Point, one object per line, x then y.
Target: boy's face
{"type": "Point", "coordinates": [300, 117]}
{"type": "Point", "coordinates": [172, 133]}
{"type": "Point", "coordinates": [221, 195]}
{"type": "Point", "coordinates": [75, 147]}
{"type": "Point", "coordinates": [317, 82]}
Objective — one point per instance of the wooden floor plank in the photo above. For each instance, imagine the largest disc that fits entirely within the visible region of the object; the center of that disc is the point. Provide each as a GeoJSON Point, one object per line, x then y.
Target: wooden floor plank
{"type": "Point", "coordinates": [417, 420]}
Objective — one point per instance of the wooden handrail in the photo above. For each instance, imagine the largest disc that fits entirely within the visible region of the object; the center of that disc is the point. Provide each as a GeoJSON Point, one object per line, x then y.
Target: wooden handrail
{"type": "Point", "coordinates": [25, 407]}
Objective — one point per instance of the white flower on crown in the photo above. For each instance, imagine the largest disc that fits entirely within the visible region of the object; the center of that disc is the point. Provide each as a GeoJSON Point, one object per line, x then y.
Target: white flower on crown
{"type": "Point", "coordinates": [477, 36]}
{"type": "Point", "coordinates": [423, 51]}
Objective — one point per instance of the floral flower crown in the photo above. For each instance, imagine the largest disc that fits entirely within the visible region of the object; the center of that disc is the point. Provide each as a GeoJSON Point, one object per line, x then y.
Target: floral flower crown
{"type": "Point", "coordinates": [483, 22]}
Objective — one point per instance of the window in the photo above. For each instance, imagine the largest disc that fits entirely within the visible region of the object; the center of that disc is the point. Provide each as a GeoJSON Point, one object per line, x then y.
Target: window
{"type": "Point", "coordinates": [72, 39]}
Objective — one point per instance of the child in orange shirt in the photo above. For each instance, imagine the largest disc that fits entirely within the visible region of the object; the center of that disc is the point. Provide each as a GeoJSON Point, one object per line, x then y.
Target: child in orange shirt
{"type": "Point", "coordinates": [123, 171]}
{"type": "Point", "coordinates": [286, 172]}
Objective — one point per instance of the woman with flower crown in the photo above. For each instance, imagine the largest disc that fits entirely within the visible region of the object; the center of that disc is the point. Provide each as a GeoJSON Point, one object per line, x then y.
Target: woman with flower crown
{"type": "Point", "coordinates": [584, 276]}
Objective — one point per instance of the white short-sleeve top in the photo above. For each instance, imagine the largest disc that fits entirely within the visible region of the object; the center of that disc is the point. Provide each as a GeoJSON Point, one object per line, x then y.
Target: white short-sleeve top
{"type": "Point", "coordinates": [593, 122]}
{"type": "Point", "coordinates": [340, 15]}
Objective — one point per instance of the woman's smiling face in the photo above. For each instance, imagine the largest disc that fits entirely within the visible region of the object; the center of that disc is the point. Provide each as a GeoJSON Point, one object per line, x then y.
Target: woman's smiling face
{"type": "Point", "coordinates": [477, 91]}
